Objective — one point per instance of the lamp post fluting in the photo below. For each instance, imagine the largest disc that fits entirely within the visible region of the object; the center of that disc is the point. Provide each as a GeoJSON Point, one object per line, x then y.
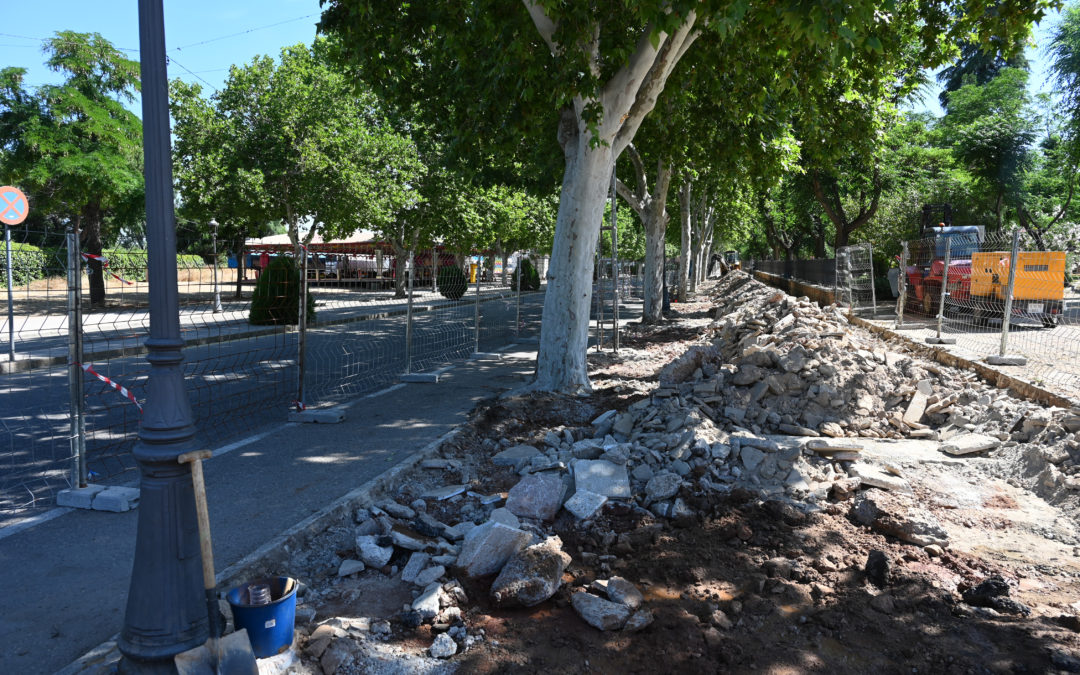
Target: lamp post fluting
{"type": "Point", "coordinates": [217, 290]}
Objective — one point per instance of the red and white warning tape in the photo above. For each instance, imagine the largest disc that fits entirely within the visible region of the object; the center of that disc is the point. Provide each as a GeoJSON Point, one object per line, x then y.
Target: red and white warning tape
{"type": "Point", "coordinates": [300, 406]}
{"type": "Point", "coordinates": [123, 390]}
{"type": "Point", "coordinates": [105, 266]}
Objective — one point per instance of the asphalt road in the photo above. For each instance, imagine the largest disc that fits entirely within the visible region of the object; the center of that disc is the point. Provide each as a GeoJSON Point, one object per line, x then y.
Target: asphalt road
{"type": "Point", "coordinates": [237, 384]}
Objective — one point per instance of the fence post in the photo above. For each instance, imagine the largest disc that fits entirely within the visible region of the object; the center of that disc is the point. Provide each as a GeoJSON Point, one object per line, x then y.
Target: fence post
{"type": "Point", "coordinates": [902, 283]}
{"type": "Point", "coordinates": [408, 319]}
{"type": "Point", "coordinates": [434, 269]}
{"type": "Point", "coordinates": [517, 300]}
{"type": "Point", "coordinates": [10, 302]}
{"type": "Point", "coordinates": [944, 293]}
{"type": "Point", "coordinates": [1014, 255]}
{"type": "Point", "coordinates": [75, 356]}
{"type": "Point", "coordinates": [476, 310]}
{"type": "Point", "coordinates": [873, 284]}
{"type": "Point", "coordinates": [302, 320]}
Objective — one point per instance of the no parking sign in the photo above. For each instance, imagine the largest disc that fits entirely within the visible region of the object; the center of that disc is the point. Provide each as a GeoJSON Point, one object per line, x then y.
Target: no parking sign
{"type": "Point", "coordinates": [13, 205]}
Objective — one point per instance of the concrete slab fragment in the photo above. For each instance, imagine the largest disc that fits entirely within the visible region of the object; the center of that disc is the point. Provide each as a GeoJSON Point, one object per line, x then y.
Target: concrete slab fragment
{"type": "Point", "coordinates": [516, 456]}
{"type": "Point", "coordinates": [877, 477]}
{"type": "Point", "coordinates": [116, 499]}
{"type": "Point", "coordinates": [78, 498]}
{"type": "Point", "coordinates": [445, 492]}
{"type": "Point", "coordinates": [915, 408]}
{"type": "Point", "coordinates": [965, 444]}
{"type": "Point", "coordinates": [602, 477]}
{"type": "Point", "coordinates": [584, 504]}
{"type": "Point", "coordinates": [487, 548]}
{"type": "Point", "coordinates": [417, 562]}
{"type": "Point", "coordinates": [420, 378]}
{"type": "Point", "coordinates": [330, 416]}
{"type": "Point", "coordinates": [537, 495]}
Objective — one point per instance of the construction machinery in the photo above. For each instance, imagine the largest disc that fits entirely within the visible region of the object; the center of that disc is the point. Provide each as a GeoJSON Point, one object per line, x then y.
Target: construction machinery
{"type": "Point", "coordinates": [1038, 285]}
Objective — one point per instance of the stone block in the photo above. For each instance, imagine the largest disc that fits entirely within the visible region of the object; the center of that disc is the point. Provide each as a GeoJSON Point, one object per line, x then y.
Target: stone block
{"type": "Point", "coordinates": [487, 548]}
{"type": "Point", "coordinates": [78, 498]}
{"type": "Point", "coordinates": [116, 499]}
{"type": "Point", "coordinates": [584, 504]}
{"type": "Point", "coordinates": [602, 477]}
{"type": "Point", "coordinates": [537, 495]}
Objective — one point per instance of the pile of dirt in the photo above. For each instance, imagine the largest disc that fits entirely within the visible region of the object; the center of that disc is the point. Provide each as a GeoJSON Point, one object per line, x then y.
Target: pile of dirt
{"type": "Point", "coordinates": [768, 490]}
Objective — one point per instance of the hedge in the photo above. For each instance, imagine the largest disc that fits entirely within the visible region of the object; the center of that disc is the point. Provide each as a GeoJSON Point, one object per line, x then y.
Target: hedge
{"type": "Point", "coordinates": [276, 298]}
{"type": "Point", "coordinates": [452, 282]}
{"type": "Point", "coordinates": [530, 280]}
{"type": "Point", "coordinates": [28, 262]}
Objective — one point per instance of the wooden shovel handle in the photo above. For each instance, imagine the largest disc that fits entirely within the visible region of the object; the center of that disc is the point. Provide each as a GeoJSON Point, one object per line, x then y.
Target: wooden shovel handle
{"type": "Point", "coordinates": [195, 459]}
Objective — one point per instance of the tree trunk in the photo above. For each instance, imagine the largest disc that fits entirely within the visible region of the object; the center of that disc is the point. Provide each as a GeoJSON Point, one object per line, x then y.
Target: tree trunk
{"type": "Point", "coordinates": [241, 259]}
{"type": "Point", "coordinates": [684, 242]}
{"type": "Point", "coordinates": [505, 255]}
{"type": "Point", "coordinates": [91, 243]}
{"type": "Point", "coordinates": [564, 331]}
{"type": "Point", "coordinates": [819, 236]}
{"type": "Point", "coordinates": [655, 227]}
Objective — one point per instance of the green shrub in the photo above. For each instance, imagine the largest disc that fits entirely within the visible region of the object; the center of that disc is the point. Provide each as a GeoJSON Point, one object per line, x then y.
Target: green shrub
{"type": "Point", "coordinates": [452, 282]}
{"type": "Point", "coordinates": [530, 280]}
{"type": "Point", "coordinates": [28, 263]}
{"type": "Point", "coordinates": [276, 298]}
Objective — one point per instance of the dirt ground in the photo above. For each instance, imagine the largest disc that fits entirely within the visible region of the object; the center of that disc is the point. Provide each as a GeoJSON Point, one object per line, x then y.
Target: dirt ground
{"type": "Point", "coordinates": [743, 585]}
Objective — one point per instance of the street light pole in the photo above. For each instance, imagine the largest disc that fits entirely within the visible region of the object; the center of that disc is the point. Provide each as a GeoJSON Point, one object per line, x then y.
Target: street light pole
{"type": "Point", "coordinates": [217, 291]}
{"type": "Point", "coordinates": [166, 610]}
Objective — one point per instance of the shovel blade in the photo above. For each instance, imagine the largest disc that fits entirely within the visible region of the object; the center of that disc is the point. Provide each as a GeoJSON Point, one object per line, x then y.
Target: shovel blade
{"type": "Point", "coordinates": [230, 655]}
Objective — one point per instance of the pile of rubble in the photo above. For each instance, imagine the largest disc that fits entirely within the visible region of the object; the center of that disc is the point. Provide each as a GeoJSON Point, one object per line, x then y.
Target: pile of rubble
{"type": "Point", "coordinates": [783, 399]}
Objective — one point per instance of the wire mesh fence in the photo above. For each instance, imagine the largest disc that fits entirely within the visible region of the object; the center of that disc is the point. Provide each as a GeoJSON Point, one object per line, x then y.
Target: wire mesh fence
{"type": "Point", "coordinates": [997, 296]}
{"type": "Point", "coordinates": [75, 376]}
{"type": "Point", "coordinates": [854, 276]}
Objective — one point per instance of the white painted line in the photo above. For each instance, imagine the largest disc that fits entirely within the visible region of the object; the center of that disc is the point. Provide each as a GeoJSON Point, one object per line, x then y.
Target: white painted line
{"type": "Point", "coordinates": [249, 440]}
{"type": "Point", "coordinates": [33, 521]}
{"type": "Point", "coordinates": [381, 392]}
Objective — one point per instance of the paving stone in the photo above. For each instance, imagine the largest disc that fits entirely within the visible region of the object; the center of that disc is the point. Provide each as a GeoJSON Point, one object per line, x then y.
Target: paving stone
{"type": "Point", "coordinates": [966, 444]}
{"type": "Point", "coordinates": [600, 613]}
{"type": "Point", "coordinates": [602, 477]}
{"type": "Point", "coordinates": [417, 562]}
{"type": "Point", "coordinates": [516, 456]}
{"type": "Point", "coordinates": [487, 548]}
{"type": "Point", "coordinates": [537, 495]}
{"type": "Point", "coordinates": [584, 503]}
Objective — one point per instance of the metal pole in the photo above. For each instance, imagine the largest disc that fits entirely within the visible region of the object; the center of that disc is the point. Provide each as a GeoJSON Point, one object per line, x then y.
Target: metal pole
{"type": "Point", "coordinates": [434, 269]}
{"type": "Point", "coordinates": [598, 292]}
{"type": "Point", "coordinates": [476, 310]}
{"type": "Point", "coordinates": [302, 327]}
{"type": "Point", "coordinates": [873, 289]}
{"type": "Point", "coordinates": [517, 300]}
{"type": "Point", "coordinates": [75, 377]}
{"type": "Point", "coordinates": [166, 609]}
{"type": "Point", "coordinates": [1013, 256]}
{"type": "Point", "coordinates": [409, 319]}
{"type": "Point", "coordinates": [944, 285]}
{"type": "Point", "coordinates": [10, 301]}
{"type": "Point", "coordinates": [217, 289]}
{"type": "Point", "coordinates": [614, 266]}
{"type": "Point", "coordinates": [902, 282]}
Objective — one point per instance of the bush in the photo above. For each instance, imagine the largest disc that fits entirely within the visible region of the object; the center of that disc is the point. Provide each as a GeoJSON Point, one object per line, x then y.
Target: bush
{"type": "Point", "coordinates": [27, 264]}
{"type": "Point", "coordinates": [452, 283]}
{"type": "Point", "coordinates": [530, 281]}
{"type": "Point", "coordinates": [277, 295]}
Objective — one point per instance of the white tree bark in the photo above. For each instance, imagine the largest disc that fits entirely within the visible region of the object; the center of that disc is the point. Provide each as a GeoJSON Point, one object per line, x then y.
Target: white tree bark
{"type": "Point", "coordinates": [651, 208]}
{"type": "Point", "coordinates": [684, 242]}
{"type": "Point", "coordinates": [625, 100]}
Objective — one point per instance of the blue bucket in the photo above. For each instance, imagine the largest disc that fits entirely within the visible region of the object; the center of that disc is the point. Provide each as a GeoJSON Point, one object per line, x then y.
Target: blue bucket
{"type": "Point", "coordinates": [269, 626]}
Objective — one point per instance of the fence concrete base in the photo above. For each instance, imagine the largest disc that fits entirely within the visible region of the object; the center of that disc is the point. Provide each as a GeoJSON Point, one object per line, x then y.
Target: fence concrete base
{"type": "Point", "coordinates": [331, 416]}
{"type": "Point", "coordinates": [1006, 360]}
{"type": "Point", "coordinates": [114, 498]}
{"type": "Point", "coordinates": [822, 296]}
{"type": "Point", "coordinates": [425, 378]}
{"type": "Point", "coordinates": [940, 341]}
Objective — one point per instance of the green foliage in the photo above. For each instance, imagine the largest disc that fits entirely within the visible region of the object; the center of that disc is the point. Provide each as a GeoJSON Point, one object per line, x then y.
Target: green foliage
{"type": "Point", "coordinates": [28, 263]}
{"type": "Point", "coordinates": [276, 299]}
{"type": "Point", "coordinates": [530, 278]}
{"type": "Point", "coordinates": [452, 283]}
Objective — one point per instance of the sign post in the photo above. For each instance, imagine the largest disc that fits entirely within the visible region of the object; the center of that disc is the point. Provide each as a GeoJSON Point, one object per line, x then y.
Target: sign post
{"type": "Point", "coordinates": [13, 210]}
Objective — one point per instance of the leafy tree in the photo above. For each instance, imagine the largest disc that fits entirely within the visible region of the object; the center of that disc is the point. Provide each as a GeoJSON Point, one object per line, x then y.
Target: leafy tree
{"type": "Point", "coordinates": [74, 147]}
{"type": "Point", "coordinates": [592, 72]}
{"type": "Point", "coordinates": [978, 64]}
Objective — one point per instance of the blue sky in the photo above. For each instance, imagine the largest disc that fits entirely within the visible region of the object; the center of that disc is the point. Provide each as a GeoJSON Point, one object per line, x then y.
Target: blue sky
{"type": "Point", "coordinates": [187, 23]}
{"type": "Point", "coordinates": [264, 28]}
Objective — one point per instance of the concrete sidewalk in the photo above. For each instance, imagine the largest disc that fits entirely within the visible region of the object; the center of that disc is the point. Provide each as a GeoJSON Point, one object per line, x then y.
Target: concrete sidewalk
{"type": "Point", "coordinates": [66, 579]}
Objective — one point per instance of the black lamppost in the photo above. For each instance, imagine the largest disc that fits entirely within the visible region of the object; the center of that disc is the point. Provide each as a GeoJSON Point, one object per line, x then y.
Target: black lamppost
{"type": "Point", "coordinates": [166, 612]}
{"type": "Point", "coordinates": [217, 291]}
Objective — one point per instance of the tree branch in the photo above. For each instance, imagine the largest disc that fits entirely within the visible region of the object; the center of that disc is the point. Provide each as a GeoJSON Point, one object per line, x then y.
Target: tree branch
{"type": "Point", "coordinates": [639, 170]}
{"type": "Point", "coordinates": [544, 25]}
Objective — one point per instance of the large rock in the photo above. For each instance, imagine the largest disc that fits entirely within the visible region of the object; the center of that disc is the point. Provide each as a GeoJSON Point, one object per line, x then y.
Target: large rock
{"type": "Point", "coordinates": [427, 604]}
{"type": "Point", "coordinates": [602, 477]}
{"type": "Point", "coordinates": [516, 456]}
{"type": "Point", "coordinates": [898, 515]}
{"type": "Point", "coordinates": [487, 548]}
{"type": "Point", "coordinates": [538, 495]}
{"type": "Point", "coordinates": [661, 487]}
{"type": "Point", "coordinates": [600, 613]}
{"type": "Point", "coordinates": [373, 555]}
{"type": "Point", "coordinates": [532, 575]}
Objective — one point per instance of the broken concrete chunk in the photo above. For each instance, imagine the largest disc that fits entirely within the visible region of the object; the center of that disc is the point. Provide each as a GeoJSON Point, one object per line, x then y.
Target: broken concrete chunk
{"type": "Point", "coordinates": [662, 486]}
{"type": "Point", "coordinates": [623, 592]}
{"type": "Point", "coordinates": [443, 647]}
{"type": "Point", "coordinates": [348, 567]}
{"type": "Point", "coordinates": [427, 603]}
{"type": "Point", "coordinates": [516, 456]}
{"type": "Point", "coordinates": [445, 492]}
{"type": "Point", "coordinates": [751, 457]}
{"type": "Point", "coordinates": [537, 495]}
{"type": "Point", "coordinates": [532, 575]}
{"type": "Point", "coordinates": [602, 477]}
{"type": "Point", "coordinates": [898, 515]}
{"type": "Point", "coordinates": [624, 426]}
{"type": "Point", "coordinates": [409, 539]}
{"type": "Point", "coordinates": [487, 548]}
{"type": "Point", "coordinates": [371, 553]}
{"type": "Point", "coordinates": [638, 621]}
{"type": "Point", "coordinates": [915, 408]}
{"type": "Point", "coordinates": [966, 444]}
{"type": "Point", "coordinates": [505, 516]}
{"type": "Point", "coordinates": [869, 474]}
{"type": "Point", "coordinates": [599, 613]}
{"type": "Point", "coordinates": [584, 504]}
{"type": "Point", "coordinates": [430, 575]}
{"type": "Point", "coordinates": [417, 562]}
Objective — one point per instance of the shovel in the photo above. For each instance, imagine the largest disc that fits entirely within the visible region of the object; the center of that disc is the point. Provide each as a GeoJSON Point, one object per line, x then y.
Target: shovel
{"type": "Point", "coordinates": [229, 655]}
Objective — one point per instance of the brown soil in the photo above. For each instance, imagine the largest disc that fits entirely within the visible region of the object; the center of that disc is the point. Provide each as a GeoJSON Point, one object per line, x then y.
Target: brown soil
{"type": "Point", "coordinates": [720, 605]}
